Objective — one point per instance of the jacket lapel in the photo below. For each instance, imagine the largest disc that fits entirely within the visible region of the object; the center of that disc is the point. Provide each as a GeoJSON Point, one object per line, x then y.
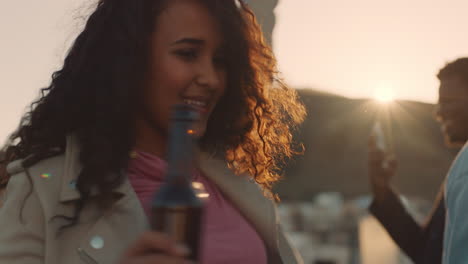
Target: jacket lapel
{"type": "Point", "coordinates": [103, 234]}
{"type": "Point", "coordinates": [72, 169]}
{"type": "Point", "coordinates": [121, 225]}
{"type": "Point", "coordinates": [257, 209]}
{"type": "Point", "coordinates": [114, 231]}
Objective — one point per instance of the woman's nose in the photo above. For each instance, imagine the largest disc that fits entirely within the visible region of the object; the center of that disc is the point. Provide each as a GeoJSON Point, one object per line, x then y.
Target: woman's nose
{"type": "Point", "coordinates": [210, 76]}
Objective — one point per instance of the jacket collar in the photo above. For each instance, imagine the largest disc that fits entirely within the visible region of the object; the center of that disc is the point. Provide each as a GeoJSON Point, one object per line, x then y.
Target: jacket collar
{"type": "Point", "coordinates": [246, 195]}
{"type": "Point", "coordinates": [259, 210]}
{"type": "Point", "coordinates": [72, 169]}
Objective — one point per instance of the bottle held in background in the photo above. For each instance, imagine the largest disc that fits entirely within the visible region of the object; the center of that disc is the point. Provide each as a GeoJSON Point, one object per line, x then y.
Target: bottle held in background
{"type": "Point", "coordinates": [176, 209]}
{"type": "Point", "coordinates": [380, 142]}
{"type": "Point", "coordinates": [379, 136]}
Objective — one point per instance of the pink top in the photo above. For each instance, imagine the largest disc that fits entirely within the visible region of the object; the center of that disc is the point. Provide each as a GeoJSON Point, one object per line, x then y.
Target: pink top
{"type": "Point", "coordinates": [227, 236]}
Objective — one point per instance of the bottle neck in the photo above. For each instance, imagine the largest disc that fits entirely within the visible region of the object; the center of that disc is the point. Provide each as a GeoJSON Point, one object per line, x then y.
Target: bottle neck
{"type": "Point", "coordinates": [180, 153]}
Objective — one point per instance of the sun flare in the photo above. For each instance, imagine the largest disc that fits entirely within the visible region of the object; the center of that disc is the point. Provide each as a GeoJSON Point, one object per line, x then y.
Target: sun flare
{"type": "Point", "coordinates": [384, 94]}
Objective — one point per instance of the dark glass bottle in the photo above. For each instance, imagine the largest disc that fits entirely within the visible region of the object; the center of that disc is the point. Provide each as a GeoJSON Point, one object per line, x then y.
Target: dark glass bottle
{"type": "Point", "coordinates": [176, 210]}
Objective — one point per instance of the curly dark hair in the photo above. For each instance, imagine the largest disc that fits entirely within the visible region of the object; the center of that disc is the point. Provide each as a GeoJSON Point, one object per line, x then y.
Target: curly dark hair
{"type": "Point", "coordinates": [95, 93]}
{"type": "Point", "coordinates": [458, 67]}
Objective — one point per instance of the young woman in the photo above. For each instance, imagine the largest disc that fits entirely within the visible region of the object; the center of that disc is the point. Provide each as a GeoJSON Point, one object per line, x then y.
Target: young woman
{"type": "Point", "coordinates": [85, 160]}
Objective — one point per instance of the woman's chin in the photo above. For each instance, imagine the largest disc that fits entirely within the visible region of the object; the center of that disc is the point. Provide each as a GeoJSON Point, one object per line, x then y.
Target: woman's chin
{"type": "Point", "coordinates": [199, 129]}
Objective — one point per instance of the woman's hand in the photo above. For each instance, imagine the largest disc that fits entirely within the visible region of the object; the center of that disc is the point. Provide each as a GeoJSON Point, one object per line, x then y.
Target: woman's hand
{"type": "Point", "coordinates": [381, 169]}
{"type": "Point", "coordinates": [155, 248]}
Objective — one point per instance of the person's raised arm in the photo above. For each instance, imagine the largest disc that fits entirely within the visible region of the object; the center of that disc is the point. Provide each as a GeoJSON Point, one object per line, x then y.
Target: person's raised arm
{"type": "Point", "coordinates": [387, 206]}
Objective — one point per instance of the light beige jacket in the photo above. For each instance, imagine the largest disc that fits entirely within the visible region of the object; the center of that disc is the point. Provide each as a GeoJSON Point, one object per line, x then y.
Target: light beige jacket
{"type": "Point", "coordinates": [29, 236]}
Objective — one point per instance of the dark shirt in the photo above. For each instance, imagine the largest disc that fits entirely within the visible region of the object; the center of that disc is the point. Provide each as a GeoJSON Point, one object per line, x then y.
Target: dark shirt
{"type": "Point", "coordinates": [422, 243]}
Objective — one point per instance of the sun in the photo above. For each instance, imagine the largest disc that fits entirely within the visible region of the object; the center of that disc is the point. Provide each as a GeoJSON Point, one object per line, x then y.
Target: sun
{"type": "Point", "coordinates": [384, 94]}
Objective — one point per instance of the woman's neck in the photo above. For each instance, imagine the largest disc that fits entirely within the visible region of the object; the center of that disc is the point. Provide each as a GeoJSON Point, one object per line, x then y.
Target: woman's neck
{"type": "Point", "coordinates": [150, 139]}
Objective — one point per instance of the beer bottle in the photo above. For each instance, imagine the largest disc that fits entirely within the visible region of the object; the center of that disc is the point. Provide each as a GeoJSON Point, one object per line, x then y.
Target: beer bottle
{"type": "Point", "coordinates": [176, 209]}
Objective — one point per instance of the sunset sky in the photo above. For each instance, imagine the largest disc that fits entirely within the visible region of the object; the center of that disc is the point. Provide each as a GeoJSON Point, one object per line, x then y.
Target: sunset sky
{"type": "Point", "coordinates": [352, 48]}
{"type": "Point", "coordinates": [356, 47]}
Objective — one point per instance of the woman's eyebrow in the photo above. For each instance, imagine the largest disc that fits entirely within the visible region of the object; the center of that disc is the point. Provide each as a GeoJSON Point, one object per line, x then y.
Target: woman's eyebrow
{"type": "Point", "coordinates": [194, 41]}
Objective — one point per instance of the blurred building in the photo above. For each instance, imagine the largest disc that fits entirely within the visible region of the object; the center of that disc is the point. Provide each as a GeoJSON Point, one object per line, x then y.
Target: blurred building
{"type": "Point", "coordinates": [335, 230]}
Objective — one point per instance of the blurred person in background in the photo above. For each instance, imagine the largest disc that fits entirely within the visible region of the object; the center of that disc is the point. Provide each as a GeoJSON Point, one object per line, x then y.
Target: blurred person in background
{"type": "Point", "coordinates": [87, 157]}
{"type": "Point", "coordinates": [453, 114]}
{"type": "Point", "coordinates": [424, 243]}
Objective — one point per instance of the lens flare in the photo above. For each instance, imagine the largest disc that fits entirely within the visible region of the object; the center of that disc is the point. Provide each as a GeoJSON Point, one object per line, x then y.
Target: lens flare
{"type": "Point", "coordinates": [45, 175]}
{"type": "Point", "coordinates": [384, 94]}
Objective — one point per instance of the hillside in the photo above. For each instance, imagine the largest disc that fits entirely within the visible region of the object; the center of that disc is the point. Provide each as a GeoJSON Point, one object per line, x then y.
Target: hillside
{"type": "Point", "coordinates": [335, 137]}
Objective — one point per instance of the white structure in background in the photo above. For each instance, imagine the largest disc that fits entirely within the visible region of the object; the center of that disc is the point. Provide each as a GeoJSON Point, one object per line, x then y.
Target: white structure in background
{"type": "Point", "coordinates": [331, 230]}
{"type": "Point", "coordinates": [264, 11]}
{"type": "Point", "coordinates": [321, 230]}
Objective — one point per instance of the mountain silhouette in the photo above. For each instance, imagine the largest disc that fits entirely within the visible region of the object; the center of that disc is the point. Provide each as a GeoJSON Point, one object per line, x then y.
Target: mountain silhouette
{"type": "Point", "coordinates": [335, 136]}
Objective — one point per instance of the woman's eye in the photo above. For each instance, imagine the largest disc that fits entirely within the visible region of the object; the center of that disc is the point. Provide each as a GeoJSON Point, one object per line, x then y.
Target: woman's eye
{"type": "Point", "coordinates": [187, 54]}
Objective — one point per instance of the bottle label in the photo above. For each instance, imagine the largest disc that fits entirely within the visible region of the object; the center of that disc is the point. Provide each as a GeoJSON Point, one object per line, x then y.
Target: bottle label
{"type": "Point", "coordinates": [180, 223]}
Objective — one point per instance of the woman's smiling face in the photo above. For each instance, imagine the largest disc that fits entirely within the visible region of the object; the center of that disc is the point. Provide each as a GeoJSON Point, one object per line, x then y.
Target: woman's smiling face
{"type": "Point", "coordinates": [186, 65]}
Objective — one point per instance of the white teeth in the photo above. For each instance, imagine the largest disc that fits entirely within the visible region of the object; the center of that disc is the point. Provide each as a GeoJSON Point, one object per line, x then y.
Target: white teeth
{"type": "Point", "coordinates": [195, 102]}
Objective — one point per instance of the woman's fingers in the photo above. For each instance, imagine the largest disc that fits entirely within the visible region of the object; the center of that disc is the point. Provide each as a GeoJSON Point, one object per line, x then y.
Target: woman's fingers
{"type": "Point", "coordinates": [157, 242]}
{"type": "Point", "coordinates": [155, 247]}
{"type": "Point", "coordinates": [157, 258]}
